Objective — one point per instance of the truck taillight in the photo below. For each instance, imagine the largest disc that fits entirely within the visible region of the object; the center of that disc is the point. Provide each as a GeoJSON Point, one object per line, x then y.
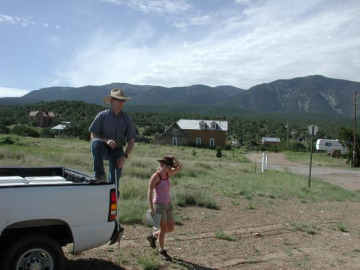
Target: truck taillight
{"type": "Point", "coordinates": [112, 205]}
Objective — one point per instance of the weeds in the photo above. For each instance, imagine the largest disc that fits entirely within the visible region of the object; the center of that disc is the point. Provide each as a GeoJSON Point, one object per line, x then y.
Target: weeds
{"type": "Point", "coordinates": [224, 236]}
{"type": "Point", "coordinates": [309, 229]}
{"type": "Point", "coordinates": [149, 262]}
{"type": "Point", "coordinates": [341, 227]}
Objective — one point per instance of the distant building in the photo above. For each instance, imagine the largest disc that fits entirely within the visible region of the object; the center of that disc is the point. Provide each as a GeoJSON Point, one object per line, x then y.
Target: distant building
{"type": "Point", "coordinates": [270, 140]}
{"type": "Point", "coordinates": [42, 118]}
{"type": "Point", "coordinates": [206, 133]}
{"type": "Point", "coordinates": [59, 128]}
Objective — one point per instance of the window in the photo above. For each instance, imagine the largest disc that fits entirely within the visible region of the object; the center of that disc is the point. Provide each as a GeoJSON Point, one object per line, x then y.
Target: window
{"type": "Point", "coordinates": [212, 142]}
{"type": "Point", "coordinates": [198, 141]}
{"type": "Point", "coordinates": [174, 141]}
{"type": "Point", "coordinates": [175, 131]}
{"type": "Point", "coordinates": [202, 125]}
{"type": "Point", "coordinates": [328, 144]}
{"type": "Point", "coordinates": [213, 125]}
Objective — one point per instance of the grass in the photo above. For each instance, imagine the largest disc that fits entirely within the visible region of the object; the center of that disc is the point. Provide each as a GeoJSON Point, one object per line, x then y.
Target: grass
{"type": "Point", "coordinates": [318, 159]}
{"type": "Point", "coordinates": [204, 178]}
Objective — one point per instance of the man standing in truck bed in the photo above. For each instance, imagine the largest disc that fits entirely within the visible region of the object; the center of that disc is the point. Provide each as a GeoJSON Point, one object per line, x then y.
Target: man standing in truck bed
{"type": "Point", "coordinates": [111, 131]}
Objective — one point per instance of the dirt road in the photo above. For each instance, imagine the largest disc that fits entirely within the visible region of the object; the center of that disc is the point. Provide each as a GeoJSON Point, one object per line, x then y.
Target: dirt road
{"type": "Point", "coordinates": [346, 178]}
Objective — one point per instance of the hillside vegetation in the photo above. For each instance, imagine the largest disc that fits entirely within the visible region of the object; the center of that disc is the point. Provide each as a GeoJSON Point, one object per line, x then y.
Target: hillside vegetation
{"type": "Point", "coordinates": [245, 127]}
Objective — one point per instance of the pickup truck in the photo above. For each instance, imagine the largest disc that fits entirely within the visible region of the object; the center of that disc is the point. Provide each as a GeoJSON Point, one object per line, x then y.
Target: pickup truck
{"type": "Point", "coordinates": [45, 208]}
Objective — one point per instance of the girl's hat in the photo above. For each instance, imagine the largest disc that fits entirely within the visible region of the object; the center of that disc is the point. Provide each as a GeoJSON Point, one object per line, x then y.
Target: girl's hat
{"type": "Point", "coordinates": [168, 161]}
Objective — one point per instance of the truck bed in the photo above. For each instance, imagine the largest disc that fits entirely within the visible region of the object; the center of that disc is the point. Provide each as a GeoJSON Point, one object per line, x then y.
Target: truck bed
{"type": "Point", "coordinates": [20, 176]}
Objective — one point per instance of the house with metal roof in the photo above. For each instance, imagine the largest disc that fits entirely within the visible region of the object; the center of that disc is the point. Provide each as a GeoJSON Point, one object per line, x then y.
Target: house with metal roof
{"type": "Point", "coordinates": [201, 133]}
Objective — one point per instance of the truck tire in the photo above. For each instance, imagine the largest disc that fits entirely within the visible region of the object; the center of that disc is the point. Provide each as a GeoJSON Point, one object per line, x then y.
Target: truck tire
{"type": "Point", "coordinates": [36, 251]}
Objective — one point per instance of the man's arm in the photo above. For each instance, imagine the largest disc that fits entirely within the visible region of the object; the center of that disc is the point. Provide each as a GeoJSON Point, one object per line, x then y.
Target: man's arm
{"type": "Point", "coordinates": [109, 142]}
{"type": "Point", "coordinates": [129, 148]}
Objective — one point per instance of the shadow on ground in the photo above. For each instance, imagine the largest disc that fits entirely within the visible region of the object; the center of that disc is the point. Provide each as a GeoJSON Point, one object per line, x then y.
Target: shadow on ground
{"type": "Point", "coordinates": [91, 264]}
{"type": "Point", "coordinates": [191, 266]}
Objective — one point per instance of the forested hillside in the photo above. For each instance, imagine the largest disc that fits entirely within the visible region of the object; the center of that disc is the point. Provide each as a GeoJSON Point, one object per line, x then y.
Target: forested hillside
{"type": "Point", "coordinates": [244, 126]}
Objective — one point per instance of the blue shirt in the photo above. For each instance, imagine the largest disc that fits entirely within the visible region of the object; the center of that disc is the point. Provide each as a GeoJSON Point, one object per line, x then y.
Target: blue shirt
{"type": "Point", "coordinates": [119, 128]}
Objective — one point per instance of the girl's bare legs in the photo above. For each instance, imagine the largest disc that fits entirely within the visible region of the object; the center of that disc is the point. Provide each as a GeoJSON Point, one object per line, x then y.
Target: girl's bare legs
{"type": "Point", "coordinates": [165, 227]}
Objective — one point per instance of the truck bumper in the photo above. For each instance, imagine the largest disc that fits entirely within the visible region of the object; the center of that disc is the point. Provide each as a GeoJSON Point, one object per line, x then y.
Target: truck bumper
{"type": "Point", "coordinates": [117, 234]}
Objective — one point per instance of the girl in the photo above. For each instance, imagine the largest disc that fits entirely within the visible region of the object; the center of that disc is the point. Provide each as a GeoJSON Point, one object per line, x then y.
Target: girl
{"type": "Point", "coordinates": [160, 202]}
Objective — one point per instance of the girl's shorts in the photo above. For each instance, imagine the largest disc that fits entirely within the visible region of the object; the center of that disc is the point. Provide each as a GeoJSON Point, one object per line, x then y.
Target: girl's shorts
{"type": "Point", "coordinates": [165, 210]}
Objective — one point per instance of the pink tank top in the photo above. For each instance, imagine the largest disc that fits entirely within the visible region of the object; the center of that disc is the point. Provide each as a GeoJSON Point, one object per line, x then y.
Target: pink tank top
{"type": "Point", "coordinates": [162, 190]}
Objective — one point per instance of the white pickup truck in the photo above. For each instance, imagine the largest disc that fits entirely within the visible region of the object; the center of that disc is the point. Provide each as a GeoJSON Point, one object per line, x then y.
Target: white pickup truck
{"type": "Point", "coordinates": [43, 209]}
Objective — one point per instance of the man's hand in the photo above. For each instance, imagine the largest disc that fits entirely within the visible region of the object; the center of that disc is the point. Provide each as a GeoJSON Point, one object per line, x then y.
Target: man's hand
{"type": "Point", "coordinates": [120, 163]}
{"type": "Point", "coordinates": [111, 144]}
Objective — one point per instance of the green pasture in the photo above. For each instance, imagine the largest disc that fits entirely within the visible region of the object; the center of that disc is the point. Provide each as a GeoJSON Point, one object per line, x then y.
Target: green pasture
{"type": "Point", "coordinates": [205, 177]}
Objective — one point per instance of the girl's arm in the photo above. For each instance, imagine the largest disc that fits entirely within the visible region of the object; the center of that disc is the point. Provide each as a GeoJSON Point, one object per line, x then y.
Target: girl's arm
{"type": "Point", "coordinates": [152, 183]}
{"type": "Point", "coordinates": [177, 169]}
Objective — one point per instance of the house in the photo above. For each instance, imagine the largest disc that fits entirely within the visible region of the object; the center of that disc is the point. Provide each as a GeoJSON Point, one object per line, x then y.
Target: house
{"type": "Point", "coordinates": [42, 118]}
{"type": "Point", "coordinates": [206, 133]}
{"type": "Point", "coordinates": [59, 128]}
{"type": "Point", "coordinates": [270, 140]}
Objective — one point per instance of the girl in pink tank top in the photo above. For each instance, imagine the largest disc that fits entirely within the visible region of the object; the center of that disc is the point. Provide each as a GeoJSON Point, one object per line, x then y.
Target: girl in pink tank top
{"type": "Point", "coordinates": [160, 201]}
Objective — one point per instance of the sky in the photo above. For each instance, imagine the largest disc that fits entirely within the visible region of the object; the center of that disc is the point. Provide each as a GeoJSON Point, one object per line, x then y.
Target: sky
{"type": "Point", "coordinates": [170, 43]}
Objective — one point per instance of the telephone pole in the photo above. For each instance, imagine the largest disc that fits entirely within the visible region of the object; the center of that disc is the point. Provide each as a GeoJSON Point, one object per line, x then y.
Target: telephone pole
{"type": "Point", "coordinates": [354, 148]}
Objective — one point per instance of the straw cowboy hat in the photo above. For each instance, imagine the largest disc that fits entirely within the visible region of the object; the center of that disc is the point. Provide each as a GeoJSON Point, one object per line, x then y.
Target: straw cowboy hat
{"type": "Point", "coordinates": [115, 93]}
{"type": "Point", "coordinates": [168, 161]}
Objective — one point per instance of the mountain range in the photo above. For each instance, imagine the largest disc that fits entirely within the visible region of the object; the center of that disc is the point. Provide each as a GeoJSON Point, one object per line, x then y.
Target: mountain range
{"type": "Point", "coordinates": [310, 94]}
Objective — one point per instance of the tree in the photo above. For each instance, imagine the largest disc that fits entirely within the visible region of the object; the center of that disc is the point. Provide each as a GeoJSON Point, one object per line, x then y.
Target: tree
{"type": "Point", "coordinates": [346, 138]}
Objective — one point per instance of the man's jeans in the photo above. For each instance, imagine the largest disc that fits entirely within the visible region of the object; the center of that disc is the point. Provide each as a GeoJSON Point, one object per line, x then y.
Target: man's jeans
{"type": "Point", "coordinates": [101, 152]}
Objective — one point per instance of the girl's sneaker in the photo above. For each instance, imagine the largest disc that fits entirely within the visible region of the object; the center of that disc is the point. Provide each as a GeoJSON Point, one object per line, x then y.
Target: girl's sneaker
{"type": "Point", "coordinates": [152, 240]}
{"type": "Point", "coordinates": [163, 254]}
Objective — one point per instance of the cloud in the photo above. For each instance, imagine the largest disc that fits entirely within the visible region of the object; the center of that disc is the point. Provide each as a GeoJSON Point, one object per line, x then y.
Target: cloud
{"type": "Point", "coordinates": [260, 43]}
{"type": "Point", "coordinates": [16, 20]}
{"type": "Point", "coordinates": [12, 92]}
{"type": "Point", "coordinates": [158, 7]}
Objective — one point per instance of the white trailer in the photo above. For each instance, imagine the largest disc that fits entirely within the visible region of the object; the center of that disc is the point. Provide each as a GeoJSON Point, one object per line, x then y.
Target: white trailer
{"type": "Point", "coordinates": [330, 145]}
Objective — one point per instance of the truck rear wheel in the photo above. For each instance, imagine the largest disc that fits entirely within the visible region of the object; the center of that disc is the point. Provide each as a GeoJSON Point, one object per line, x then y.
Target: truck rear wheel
{"type": "Point", "coordinates": [34, 252]}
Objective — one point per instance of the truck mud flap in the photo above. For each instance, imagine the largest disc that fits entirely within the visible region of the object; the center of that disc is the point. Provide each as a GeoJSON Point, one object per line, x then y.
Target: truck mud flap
{"type": "Point", "coordinates": [117, 234]}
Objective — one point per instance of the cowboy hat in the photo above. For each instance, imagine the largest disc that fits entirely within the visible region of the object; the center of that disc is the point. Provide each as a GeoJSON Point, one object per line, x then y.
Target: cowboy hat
{"type": "Point", "coordinates": [115, 93]}
{"type": "Point", "coordinates": [168, 161]}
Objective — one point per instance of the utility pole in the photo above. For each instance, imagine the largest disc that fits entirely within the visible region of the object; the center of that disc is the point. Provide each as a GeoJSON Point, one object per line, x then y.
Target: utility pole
{"type": "Point", "coordinates": [354, 148]}
{"type": "Point", "coordinates": [312, 130]}
{"type": "Point", "coordinates": [287, 136]}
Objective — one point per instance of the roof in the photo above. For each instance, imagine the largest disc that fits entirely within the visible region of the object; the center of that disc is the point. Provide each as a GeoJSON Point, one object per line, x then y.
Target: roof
{"type": "Point", "coordinates": [60, 127]}
{"type": "Point", "coordinates": [270, 139]}
{"type": "Point", "coordinates": [195, 124]}
{"type": "Point", "coordinates": [33, 113]}
{"type": "Point", "coordinates": [45, 114]}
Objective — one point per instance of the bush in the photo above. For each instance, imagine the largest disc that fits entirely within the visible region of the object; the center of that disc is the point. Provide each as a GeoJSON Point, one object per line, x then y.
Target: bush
{"type": "Point", "coordinates": [24, 131]}
{"type": "Point", "coordinates": [7, 140]}
{"type": "Point", "coordinates": [297, 147]}
{"type": "Point", "coordinates": [47, 133]}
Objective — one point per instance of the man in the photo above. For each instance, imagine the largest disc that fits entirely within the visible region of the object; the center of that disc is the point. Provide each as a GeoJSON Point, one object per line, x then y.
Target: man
{"type": "Point", "coordinates": [111, 131]}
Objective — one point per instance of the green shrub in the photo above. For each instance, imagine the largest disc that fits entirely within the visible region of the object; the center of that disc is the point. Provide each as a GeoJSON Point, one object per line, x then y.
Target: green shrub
{"type": "Point", "coordinates": [224, 236]}
{"type": "Point", "coordinates": [47, 133]}
{"type": "Point", "coordinates": [24, 131]}
{"type": "Point", "coordinates": [7, 140]}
